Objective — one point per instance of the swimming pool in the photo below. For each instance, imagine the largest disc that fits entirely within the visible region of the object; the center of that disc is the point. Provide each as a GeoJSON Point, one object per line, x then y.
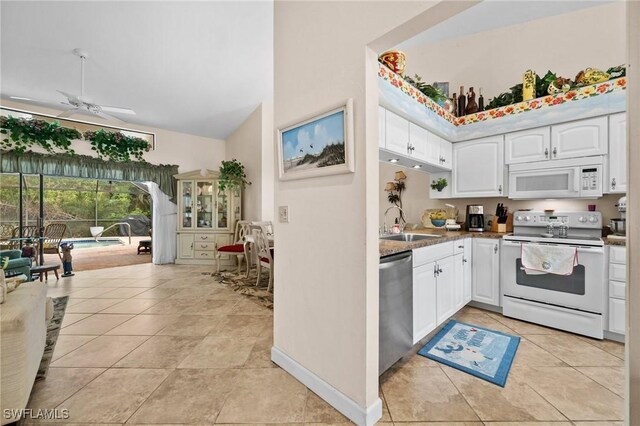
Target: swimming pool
{"type": "Point", "coordinates": [89, 243]}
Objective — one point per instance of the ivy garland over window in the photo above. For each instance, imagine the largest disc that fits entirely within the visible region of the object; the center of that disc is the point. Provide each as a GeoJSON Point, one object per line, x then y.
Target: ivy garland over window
{"type": "Point", "coordinates": [25, 133]}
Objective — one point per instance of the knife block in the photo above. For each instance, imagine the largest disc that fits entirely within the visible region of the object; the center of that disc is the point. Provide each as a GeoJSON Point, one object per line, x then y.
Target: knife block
{"type": "Point", "coordinates": [502, 227]}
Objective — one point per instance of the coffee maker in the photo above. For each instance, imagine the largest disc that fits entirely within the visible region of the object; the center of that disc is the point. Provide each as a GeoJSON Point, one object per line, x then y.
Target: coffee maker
{"type": "Point", "coordinates": [475, 218]}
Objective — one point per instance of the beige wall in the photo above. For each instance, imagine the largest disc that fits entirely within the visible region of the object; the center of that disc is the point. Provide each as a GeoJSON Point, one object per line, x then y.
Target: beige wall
{"type": "Point", "coordinates": [495, 60]}
{"type": "Point", "coordinates": [252, 145]}
{"type": "Point", "coordinates": [415, 199]}
{"type": "Point", "coordinates": [189, 152]}
{"type": "Point", "coordinates": [325, 315]}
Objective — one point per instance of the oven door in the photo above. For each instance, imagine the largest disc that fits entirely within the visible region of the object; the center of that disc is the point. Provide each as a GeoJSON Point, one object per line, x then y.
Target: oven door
{"type": "Point", "coordinates": [583, 289]}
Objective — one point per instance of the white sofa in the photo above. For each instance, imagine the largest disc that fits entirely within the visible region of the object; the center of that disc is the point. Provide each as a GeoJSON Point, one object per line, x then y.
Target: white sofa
{"type": "Point", "coordinates": [23, 332]}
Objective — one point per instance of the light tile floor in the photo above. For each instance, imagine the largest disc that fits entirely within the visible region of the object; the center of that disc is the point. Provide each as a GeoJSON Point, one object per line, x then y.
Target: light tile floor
{"type": "Point", "coordinates": [147, 344]}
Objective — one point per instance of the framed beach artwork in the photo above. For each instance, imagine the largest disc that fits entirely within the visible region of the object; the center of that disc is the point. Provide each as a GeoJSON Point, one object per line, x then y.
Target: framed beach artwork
{"type": "Point", "coordinates": [320, 145]}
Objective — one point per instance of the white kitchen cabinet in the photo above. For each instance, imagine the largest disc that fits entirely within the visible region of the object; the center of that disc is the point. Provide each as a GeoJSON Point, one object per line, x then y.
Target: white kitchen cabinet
{"type": "Point", "coordinates": [527, 146]}
{"type": "Point", "coordinates": [486, 271]}
{"type": "Point", "coordinates": [185, 246]}
{"type": "Point", "coordinates": [421, 148]}
{"type": "Point", "coordinates": [396, 133]}
{"type": "Point", "coordinates": [458, 280]}
{"type": "Point", "coordinates": [617, 314]}
{"type": "Point", "coordinates": [467, 277]}
{"type": "Point", "coordinates": [580, 138]}
{"type": "Point", "coordinates": [424, 300]}
{"type": "Point", "coordinates": [478, 168]}
{"type": "Point", "coordinates": [617, 162]}
{"type": "Point", "coordinates": [381, 126]}
{"type": "Point", "coordinates": [445, 289]}
{"type": "Point", "coordinates": [446, 152]}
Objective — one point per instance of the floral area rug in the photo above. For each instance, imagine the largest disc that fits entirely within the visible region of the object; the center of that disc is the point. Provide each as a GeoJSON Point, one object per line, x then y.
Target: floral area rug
{"type": "Point", "coordinates": [53, 331]}
{"type": "Point", "coordinates": [239, 283]}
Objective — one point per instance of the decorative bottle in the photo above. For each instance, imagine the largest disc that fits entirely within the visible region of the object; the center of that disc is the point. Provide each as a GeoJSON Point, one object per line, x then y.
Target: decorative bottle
{"type": "Point", "coordinates": [472, 106]}
{"type": "Point", "coordinates": [462, 102]}
{"type": "Point", "coordinates": [480, 100]}
{"type": "Point", "coordinates": [455, 105]}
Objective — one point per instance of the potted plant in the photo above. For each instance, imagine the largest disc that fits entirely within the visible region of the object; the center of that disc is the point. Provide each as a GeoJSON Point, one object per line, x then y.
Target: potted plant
{"type": "Point", "coordinates": [232, 176]}
{"type": "Point", "coordinates": [439, 184]}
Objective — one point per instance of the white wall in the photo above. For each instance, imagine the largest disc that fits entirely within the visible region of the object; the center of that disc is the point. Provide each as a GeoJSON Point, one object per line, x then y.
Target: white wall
{"type": "Point", "coordinates": [495, 60]}
{"type": "Point", "coordinates": [189, 152]}
{"type": "Point", "coordinates": [326, 283]}
{"type": "Point", "coordinates": [415, 199]}
{"type": "Point", "coordinates": [252, 145]}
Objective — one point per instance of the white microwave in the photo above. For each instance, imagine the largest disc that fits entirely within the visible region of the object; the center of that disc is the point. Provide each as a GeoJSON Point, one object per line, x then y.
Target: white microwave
{"type": "Point", "coordinates": [573, 178]}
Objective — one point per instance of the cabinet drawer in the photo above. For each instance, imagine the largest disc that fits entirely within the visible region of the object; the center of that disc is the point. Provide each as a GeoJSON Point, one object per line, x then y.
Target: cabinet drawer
{"type": "Point", "coordinates": [618, 254]}
{"type": "Point", "coordinates": [199, 246]}
{"type": "Point", "coordinates": [617, 289]}
{"type": "Point", "coordinates": [617, 272]}
{"type": "Point", "coordinates": [204, 255]}
{"type": "Point", "coordinates": [617, 316]}
{"type": "Point", "coordinates": [458, 246]}
{"type": "Point", "coordinates": [431, 253]}
{"type": "Point", "coordinates": [198, 238]}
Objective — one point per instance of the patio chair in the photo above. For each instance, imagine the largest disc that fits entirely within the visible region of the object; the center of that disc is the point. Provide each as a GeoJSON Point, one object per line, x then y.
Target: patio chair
{"type": "Point", "coordinates": [238, 246]}
{"type": "Point", "coordinates": [28, 231]}
{"type": "Point", "coordinates": [264, 252]}
{"type": "Point", "coordinates": [6, 231]}
{"type": "Point", "coordinates": [53, 234]}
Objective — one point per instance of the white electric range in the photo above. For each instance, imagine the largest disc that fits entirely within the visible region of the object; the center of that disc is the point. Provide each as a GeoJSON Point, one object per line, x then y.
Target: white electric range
{"type": "Point", "coordinates": [574, 302]}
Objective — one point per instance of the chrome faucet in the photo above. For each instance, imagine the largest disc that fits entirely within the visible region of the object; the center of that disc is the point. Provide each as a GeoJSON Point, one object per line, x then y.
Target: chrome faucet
{"type": "Point", "coordinates": [385, 229]}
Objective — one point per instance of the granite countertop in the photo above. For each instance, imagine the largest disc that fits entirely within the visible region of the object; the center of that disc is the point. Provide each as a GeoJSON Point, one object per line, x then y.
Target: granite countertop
{"type": "Point", "coordinates": [388, 247]}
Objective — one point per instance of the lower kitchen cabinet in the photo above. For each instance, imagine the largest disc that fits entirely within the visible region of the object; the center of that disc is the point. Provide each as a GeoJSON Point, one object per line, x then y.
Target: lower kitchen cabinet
{"type": "Point", "coordinates": [617, 310]}
{"type": "Point", "coordinates": [424, 300]}
{"type": "Point", "coordinates": [617, 289]}
{"type": "Point", "coordinates": [467, 275]}
{"type": "Point", "coordinates": [446, 289]}
{"type": "Point", "coordinates": [486, 271]}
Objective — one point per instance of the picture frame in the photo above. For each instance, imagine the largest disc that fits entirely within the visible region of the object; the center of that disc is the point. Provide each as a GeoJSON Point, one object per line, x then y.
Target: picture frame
{"type": "Point", "coordinates": [319, 145]}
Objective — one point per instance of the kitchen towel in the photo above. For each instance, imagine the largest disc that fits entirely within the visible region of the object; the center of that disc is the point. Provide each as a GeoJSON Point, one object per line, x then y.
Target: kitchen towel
{"type": "Point", "coordinates": [548, 259]}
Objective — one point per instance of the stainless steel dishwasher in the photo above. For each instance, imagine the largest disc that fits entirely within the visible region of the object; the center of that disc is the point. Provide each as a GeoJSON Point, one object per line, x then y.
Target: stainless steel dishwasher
{"type": "Point", "coordinates": [396, 308]}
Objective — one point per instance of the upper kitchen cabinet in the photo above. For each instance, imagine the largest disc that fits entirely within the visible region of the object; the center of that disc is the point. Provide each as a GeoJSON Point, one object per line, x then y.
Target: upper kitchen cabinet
{"type": "Point", "coordinates": [420, 147]}
{"type": "Point", "coordinates": [396, 133]}
{"type": "Point", "coordinates": [527, 146]}
{"type": "Point", "coordinates": [446, 153]}
{"type": "Point", "coordinates": [617, 175]}
{"type": "Point", "coordinates": [478, 168]}
{"type": "Point", "coordinates": [579, 138]}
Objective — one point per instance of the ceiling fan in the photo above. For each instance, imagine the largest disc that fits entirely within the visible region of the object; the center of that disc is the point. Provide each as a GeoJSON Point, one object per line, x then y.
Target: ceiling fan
{"type": "Point", "coordinates": [78, 104]}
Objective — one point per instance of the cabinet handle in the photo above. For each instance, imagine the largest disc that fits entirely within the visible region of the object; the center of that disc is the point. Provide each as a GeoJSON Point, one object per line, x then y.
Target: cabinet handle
{"type": "Point", "coordinates": [555, 152]}
{"type": "Point", "coordinates": [613, 183]}
{"type": "Point", "coordinates": [500, 189]}
{"type": "Point", "coordinates": [435, 270]}
{"type": "Point", "coordinates": [461, 247]}
{"type": "Point", "coordinates": [495, 248]}
{"type": "Point", "coordinates": [439, 270]}
{"type": "Point", "coordinates": [464, 260]}
{"type": "Point", "coordinates": [546, 153]}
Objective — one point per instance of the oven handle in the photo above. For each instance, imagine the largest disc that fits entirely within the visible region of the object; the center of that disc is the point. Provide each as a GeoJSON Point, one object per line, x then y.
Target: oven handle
{"type": "Point", "coordinates": [581, 249]}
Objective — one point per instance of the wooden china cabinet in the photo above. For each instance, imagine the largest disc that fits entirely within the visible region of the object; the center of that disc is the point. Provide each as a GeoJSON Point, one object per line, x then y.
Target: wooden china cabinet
{"type": "Point", "coordinates": [206, 218]}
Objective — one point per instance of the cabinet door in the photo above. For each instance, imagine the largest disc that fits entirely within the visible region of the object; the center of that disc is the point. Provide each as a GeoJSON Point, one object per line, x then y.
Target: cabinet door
{"type": "Point", "coordinates": [446, 152]}
{"type": "Point", "coordinates": [205, 206]}
{"type": "Point", "coordinates": [617, 316]}
{"type": "Point", "coordinates": [185, 246]}
{"type": "Point", "coordinates": [381, 126]}
{"type": "Point", "coordinates": [397, 133]}
{"type": "Point", "coordinates": [458, 281]}
{"type": "Point", "coordinates": [617, 180]}
{"type": "Point", "coordinates": [467, 271]}
{"type": "Point", "coordinates": [185, 208]}
{"type": "Point", "coordinates": [445, 289]}
{"type": "Point", "coordinates": [528, 145]}
{"type": "Point", "coordinates": [478, 168]}
{"type": "Point", "coordinates": [423, 146]}
{"type": "Point", "coordinates": [486, 271]}
{"type": "Point", "coordinates": [424, 301]}
{"type": "Point", "coordinates": [579, 138]}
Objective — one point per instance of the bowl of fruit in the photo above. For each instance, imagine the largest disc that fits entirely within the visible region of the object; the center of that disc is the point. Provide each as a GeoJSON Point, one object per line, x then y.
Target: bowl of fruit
{"type": "Point", "coordinates": [438, 219]}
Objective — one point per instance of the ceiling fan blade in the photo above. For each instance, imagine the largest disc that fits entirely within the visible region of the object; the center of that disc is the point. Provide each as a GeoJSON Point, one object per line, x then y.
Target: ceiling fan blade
{"type": "Point", "coordinates": [68, 95]}
{"type": "Point", "coordinates": [108, 117]}
{"type": "Point", "coordinates": [22, 98]}
{"type": "Point", "coordinates": [117, 110]}
{"type": "Point", "coordinates": [67, 113]}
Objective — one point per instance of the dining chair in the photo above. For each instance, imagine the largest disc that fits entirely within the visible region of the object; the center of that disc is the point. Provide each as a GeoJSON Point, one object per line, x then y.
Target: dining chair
{"type": "Point", "coordinates": [263, 252]}
{"type": "Point", "coordinates": [238, 246]}
{"type": "Point", "coordinates": [53, 234]}
{"type": "Point", "coordinates": [249, 252]}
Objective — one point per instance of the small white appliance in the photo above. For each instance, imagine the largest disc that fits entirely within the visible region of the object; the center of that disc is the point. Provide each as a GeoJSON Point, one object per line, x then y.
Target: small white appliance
{"type": "Point", "coordinates": [572, 302]}
{"type": "Point", "coordinates": [571, 178]}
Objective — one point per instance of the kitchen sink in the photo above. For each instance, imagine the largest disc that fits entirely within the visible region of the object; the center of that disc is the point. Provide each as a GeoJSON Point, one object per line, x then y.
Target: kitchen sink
{"type": "Point", "coordinates": [409, 237]}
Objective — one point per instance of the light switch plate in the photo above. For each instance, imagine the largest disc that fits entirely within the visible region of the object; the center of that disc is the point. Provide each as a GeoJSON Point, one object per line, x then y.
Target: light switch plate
{"type": "Point", "coordinates": [283, 214]}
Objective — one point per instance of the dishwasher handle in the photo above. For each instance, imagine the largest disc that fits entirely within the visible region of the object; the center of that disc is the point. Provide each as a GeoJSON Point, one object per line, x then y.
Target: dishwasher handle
{"type": "Point", "coordinates": [394, 260]}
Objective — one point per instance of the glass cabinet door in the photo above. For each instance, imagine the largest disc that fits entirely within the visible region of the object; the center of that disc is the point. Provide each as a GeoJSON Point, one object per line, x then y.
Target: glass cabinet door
{"type": "Point", "coordinates": [186, 189]}
{"type": "Point", "coordinates": [237, 201]}
{"type": "Point", "coordinates": [222, 209]}
{"type": "Point", "coordinates": [205, 204]}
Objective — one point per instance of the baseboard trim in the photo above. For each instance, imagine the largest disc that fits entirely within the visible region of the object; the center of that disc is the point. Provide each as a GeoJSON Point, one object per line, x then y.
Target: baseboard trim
{"type": "Point", "coordinates": [341, 402]}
